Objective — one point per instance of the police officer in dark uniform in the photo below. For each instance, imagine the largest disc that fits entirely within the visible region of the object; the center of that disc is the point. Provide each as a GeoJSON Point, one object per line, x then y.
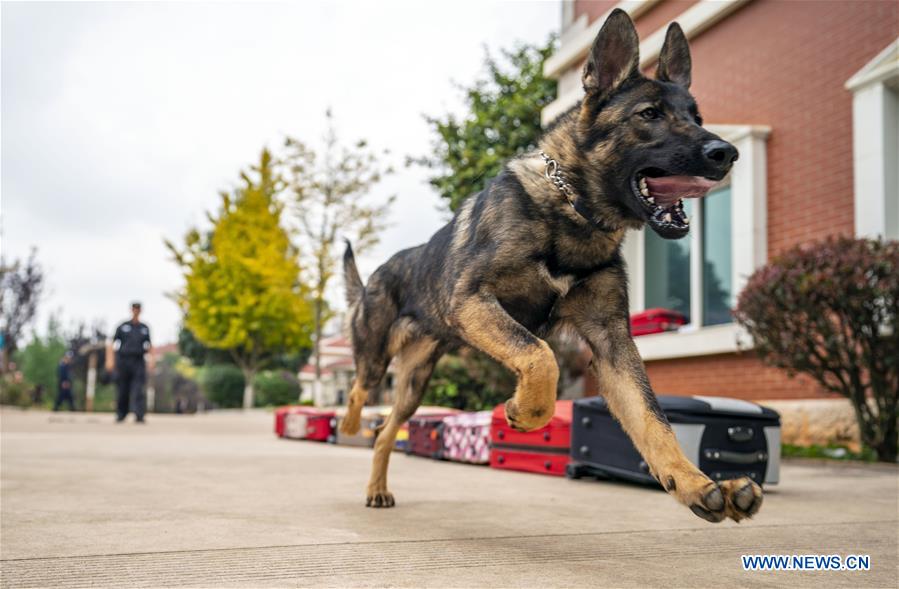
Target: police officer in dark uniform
{"type": "Point", "coordinates": [131, 342]}
{"type": "Point", "coordinates": [64, 382]}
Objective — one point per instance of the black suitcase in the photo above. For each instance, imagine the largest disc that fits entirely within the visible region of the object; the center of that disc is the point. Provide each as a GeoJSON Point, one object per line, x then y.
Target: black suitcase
{"type": "Point", "coordinates": [726, 438]}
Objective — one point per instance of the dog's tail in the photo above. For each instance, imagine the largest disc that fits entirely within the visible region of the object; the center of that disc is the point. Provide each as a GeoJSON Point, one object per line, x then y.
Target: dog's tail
{"type": "Point", "coordinates": [352, 282]}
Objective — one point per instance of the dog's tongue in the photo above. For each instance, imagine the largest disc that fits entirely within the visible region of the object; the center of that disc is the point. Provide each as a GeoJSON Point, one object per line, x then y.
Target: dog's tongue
{"type": "Point", "coordinates": [668, 189]}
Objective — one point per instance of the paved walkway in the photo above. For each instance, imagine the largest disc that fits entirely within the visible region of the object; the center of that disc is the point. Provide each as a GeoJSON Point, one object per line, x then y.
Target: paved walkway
{"type": "Point", "coordinates": [217, 500]}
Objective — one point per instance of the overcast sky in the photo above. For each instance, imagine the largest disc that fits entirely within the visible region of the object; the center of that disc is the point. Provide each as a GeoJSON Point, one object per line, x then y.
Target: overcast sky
{"type": "Point", "coordinates": [121, 122]}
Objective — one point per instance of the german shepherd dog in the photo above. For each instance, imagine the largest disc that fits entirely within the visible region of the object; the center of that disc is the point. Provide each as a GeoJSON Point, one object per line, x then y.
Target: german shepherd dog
{"type": "Point", "coordinates": [538, 250]}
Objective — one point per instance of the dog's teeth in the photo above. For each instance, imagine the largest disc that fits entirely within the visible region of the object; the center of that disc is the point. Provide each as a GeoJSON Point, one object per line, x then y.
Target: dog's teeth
{"type": "Point", "coordinates": [644, 191]}
{"type": "Point", "coordinates": [667, 217]}
{"type": "Point", "coordinates": [642, 184]}
{"type": "Point", "coordinates": [650, 200]}
{"type": "Point", "coordinates": [686, 220]}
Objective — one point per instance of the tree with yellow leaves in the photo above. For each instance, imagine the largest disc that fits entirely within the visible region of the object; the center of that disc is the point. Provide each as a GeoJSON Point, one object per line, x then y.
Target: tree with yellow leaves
{"type": "Point", "coordinates": [242, 290]}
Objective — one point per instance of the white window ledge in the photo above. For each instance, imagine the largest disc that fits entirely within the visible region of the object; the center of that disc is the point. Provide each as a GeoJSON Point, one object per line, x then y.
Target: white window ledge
{"type": "Point", "coordinates": [714, 339]}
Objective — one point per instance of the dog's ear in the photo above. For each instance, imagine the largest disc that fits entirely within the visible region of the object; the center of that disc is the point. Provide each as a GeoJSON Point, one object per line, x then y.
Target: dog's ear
{"type": "Point", "coordinates": [674, 60]}
{"type": "Point", "coordinates": [615, 55]}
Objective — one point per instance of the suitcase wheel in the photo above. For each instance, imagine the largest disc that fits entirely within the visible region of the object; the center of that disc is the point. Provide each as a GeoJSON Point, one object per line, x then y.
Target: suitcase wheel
{"type": "Point", "coordinates": [574, 471]}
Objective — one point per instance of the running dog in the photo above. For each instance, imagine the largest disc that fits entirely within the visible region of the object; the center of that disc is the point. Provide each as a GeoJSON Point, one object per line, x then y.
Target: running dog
{"type": "Point", "coordinates": [538, 250]}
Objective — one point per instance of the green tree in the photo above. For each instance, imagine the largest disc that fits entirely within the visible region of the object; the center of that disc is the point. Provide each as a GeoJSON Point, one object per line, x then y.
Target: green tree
{"type": "Point", "coordinates": [40, 357]}
{"type": "Point", "coordinates": [242, 288]}
{"type": "Point", "coordinates": [328, 197]}
{"type": "Point", "coordinates": [21, 286]}
{"type": "Point", "coordinates": [501, 122]}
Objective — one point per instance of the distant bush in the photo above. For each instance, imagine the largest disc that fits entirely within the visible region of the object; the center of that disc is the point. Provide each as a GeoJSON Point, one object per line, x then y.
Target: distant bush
{"type": "Point", "coordinates": [276, 387]}
{"type": "Point", "coordinates": [223, 385]}
{"type": "Point", "coordinates": [469, 381]}
{"type": "Point", "coordinates": [831, 311]}
{"type": "Point", "coordinates": [14, 393]}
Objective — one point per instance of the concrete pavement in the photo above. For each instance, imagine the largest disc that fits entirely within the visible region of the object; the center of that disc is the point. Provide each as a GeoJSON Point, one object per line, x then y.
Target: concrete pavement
{"type": "Point", "coordinates": [217, 500]}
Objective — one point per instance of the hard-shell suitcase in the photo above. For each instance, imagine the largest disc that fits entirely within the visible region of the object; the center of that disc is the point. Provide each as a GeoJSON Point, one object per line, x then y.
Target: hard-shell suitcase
{"type": "Point", "coordinates": [726, 438]}
{"type": "Point", "coordinates": [402, 436]}
{"type": "Point", "coordinates": [656, 321]}
{"type": "Point", "coordinates": [544, 451]}
{"type": "Point", "coordinates": [371, 418]}
{"type": "Point", "coordinates": [425, 436]}
{"type": "Point", "coordinates": [280, 414]}
{"type": "Point", "coordinates": [466, 437]}
{"type": "Point", "coordinates": [308, 423]}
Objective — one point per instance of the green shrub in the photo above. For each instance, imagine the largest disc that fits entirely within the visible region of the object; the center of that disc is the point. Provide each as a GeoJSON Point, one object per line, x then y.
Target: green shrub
{"type": "Point", "coordinates": [14, 393]}
{"type": "Point", "coordinates": [469, 381]}
{"type": "Point", "coordinates": [831, 310]}
{"type": "Point", "coordinates": [223, 385]}
{"type": "Point", "coordinates": [276, 387]}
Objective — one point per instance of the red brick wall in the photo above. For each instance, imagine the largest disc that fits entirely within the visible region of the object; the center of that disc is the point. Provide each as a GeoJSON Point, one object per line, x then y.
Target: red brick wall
{"type": "Point", "coordinates": [659, 15]}
{"type": "Point", "coordinates": [782, 64]}
{"type": "Point", "coordinates": [728, 375]}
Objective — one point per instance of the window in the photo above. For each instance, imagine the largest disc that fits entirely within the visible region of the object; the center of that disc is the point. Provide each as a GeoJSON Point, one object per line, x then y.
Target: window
{"type": "Point", "coordinates": [875, 145]}
{"type": "Point", "coordinates": [702, 274]}
{"type": "Point", "coordinates": [704, 294]}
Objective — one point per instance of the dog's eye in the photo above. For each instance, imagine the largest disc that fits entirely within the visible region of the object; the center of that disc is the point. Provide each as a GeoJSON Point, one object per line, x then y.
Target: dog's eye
{"type": "Point", "coordinates": [650, 114]}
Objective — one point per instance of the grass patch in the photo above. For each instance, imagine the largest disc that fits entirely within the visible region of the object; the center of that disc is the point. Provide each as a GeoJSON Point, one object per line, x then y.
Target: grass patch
{"type": "Point", "coordinates": [829, 452]}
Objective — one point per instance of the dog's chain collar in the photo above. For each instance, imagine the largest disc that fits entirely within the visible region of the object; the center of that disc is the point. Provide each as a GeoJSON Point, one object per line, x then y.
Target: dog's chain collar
{"type": "Point", "coordinates": [553, 173]}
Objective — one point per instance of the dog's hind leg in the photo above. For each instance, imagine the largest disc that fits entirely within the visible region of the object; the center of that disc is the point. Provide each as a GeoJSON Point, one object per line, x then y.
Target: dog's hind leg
{"type": "Point", "coordinates": [414, 366]}
{"type": "Point", "coordinates": [484, 324]}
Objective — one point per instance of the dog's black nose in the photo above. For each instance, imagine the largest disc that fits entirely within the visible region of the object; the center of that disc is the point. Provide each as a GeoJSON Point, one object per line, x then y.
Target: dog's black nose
{"type": "Point", "coordinates": [720, 154]}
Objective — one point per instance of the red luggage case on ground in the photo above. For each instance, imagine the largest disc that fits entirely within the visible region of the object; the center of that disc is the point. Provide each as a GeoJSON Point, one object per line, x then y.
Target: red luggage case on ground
{"type": "Point", "coordinates": [544, 451]}
{"type": "Point", "coordinates": [303, 423]}
{"type": "Point", "coordinates": [656, 321]}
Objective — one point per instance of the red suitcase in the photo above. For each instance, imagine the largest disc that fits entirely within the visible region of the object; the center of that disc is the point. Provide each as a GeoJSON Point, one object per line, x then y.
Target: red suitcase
{"type": "Point", "coordinates": [656, 321]}
{"type": "Point", "coordinates": [544, 451]}
{"type": "Point", "coordinates": [305, 423]}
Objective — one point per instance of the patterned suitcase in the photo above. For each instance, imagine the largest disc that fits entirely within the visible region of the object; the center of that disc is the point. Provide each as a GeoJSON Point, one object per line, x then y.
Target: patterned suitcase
{"type": "Point", "coordinates": [308, 423]}
{"type": "Point", "coordinates": [544, 451]}
{"type": "Point", "coordinates": [466, 437]}
{"type": "Point", "coordinates": [402, 436]}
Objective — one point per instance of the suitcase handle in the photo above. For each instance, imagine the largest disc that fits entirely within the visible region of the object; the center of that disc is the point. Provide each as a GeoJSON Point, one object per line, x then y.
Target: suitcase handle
{"type": "Point", "coordinates": [736, 457]}
{"type": "Point", "coordinates": [739, 433]}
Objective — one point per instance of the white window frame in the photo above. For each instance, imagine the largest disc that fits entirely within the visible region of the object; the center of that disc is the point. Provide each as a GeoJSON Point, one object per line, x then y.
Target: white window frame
{"type": "Point", "coordinates": [875, 109]}
{"type": "Point", "coordinates": [749, 251]}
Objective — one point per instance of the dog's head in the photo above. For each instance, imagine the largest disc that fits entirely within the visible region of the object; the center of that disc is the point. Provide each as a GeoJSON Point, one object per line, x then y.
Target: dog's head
{"type": "Point", "coordinates": [641, 139]}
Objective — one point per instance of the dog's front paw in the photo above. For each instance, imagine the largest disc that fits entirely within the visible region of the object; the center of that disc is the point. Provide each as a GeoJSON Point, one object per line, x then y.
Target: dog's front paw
{"type": "Point", "coordinates": [736, 499]}
{"type": "Point", "coordinates": [380, 498]}
{"type": "Point", "coordinates": [742, 498]}
{"type": "Point", "coordinates": [529, 419]}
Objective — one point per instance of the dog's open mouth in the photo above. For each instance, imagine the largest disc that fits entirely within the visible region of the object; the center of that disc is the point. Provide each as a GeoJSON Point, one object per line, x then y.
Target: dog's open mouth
{"type": "Point", "coordinates": [662, 197]}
